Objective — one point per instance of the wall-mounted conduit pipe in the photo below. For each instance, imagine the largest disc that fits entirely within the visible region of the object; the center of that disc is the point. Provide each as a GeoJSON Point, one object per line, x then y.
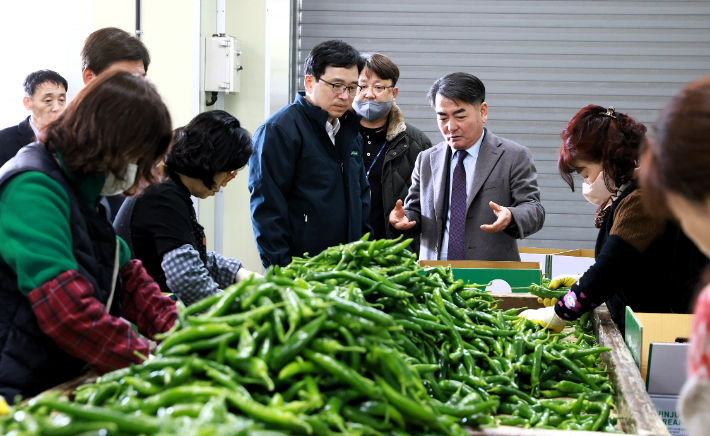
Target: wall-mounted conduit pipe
{"type": "Point", "coordinates": [139, 32]}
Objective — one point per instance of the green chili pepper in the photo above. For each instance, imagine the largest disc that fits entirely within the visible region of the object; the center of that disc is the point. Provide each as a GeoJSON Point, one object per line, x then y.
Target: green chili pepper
{"type": "Point", "coordinates": [513, 421]}
{"type": "Point", "coordinates": [356, 415]}
{"type": "Point", "coordinates": [264, 350]}
{"type": "Point", "coordinates": [537, 366]}
{"type": "Point", "coordinates": [507, 390]}
{"type": "Point", "coordinates": [465, 411]}
{"type": "Point", "coordinates": [205, 303]}
{"type": "Point", "coordinates": [194, 333]}
{"type": "Point", "coordinates": [77, 428]}
{"type": "Point", "coordinates": [575, 369]}
{"type": "Point", "coordinates": [297, 343]}
{"type": "Point", "coordinates": [293, 309]}
{"type": "Point", "coordinates": [132, 424]}
{"type": "Point", "coordinates": [254, 315]}
{"type": "Point", "coordinates": [416, 411]}
{"type": "Point", "coordinates": [142, 386]}
{"type": "Point", "coordinates": [362, 311]}
{"type": "Point", "coordinates": [103, 392]}
{"type": "Point", "coordinates": [296, 367]}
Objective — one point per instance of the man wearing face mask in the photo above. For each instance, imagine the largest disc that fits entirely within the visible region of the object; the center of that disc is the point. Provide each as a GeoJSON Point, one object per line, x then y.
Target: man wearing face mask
{"type": "Point", "coordinates": [641, 261]}
{"type": "Point", "coordinates": [390, 145]}
{"type": "Point", "coordinates": [45, 98]}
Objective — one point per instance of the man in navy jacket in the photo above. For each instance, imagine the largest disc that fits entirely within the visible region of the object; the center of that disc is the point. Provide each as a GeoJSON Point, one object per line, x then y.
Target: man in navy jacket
{"type": "Point", "coordinates": [46, 99]}
{"type": "Point", "coordinates": [307, 181]}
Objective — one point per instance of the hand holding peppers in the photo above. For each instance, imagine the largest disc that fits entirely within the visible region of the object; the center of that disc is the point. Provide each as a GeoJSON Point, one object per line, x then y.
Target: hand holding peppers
{"type": "Point", "coordinates": [545, 317]}
{"type": "Point", "coordinates": [564, 281]}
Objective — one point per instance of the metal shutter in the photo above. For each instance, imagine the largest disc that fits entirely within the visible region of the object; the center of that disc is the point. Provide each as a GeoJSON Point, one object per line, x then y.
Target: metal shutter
{"type": "Point", "coordinates": [541, 62]}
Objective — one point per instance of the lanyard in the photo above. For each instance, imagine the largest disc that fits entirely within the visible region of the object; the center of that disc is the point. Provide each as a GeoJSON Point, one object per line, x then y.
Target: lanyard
{"type": "Point", "coordinates": [375, 161]}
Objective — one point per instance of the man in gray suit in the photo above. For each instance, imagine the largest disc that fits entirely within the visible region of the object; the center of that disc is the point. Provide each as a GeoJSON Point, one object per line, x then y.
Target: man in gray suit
{"type": "Point", "coordinates": [470, 179]}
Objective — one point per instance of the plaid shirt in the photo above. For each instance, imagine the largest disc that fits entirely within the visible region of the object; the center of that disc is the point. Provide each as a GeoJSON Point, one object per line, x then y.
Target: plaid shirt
{"type": "Point", "coordinates": [192, 280]}
{"type": "Point", "coordinates": [67, 311]}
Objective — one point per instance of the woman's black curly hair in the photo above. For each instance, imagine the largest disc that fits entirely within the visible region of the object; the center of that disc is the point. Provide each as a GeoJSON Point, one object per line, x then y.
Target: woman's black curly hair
{"type": "Point", "coordinates": [213, 142]}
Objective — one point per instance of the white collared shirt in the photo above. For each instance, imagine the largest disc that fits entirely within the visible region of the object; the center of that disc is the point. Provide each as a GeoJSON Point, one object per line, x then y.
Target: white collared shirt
{"type": "Point", "coordinates": [34, 129]}
{"type": "Point", "coordinates": [332, 130]}
{"type": "Point", "coordinates": [469, 163]}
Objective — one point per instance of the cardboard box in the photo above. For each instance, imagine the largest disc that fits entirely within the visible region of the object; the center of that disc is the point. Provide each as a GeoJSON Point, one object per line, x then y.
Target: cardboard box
{"type": "Point", "coordinates": [667, 368]}
{"type": "Point", "coordinates": [541, 255]}
{"type": "Point", "coordinates": [666, 406]}
{"type": "Point", "coordinates": [513, 274]}
{"type": "Point", "coordinates": [643, 329]}
{"type": "Point", "coordinates": [571, 262]}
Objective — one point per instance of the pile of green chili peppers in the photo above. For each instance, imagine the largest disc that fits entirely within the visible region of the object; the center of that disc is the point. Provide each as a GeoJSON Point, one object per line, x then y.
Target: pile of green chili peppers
{"type": "Point", "coordinates": [358, 340]}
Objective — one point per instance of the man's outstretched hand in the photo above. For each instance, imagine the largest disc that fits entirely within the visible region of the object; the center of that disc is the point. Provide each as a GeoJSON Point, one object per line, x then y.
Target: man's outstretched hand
{"type": "Point", "coordinates": [398, 219]}
{"type": "Point", "coordinates": [505, 216]}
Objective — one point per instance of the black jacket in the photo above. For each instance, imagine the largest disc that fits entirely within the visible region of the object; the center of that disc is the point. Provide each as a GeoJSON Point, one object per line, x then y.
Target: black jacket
{"type": "Point", "coordinates": [405, 142]}
{"type": "Point", "coordinates": [661, 279]}
{"type": "Point", "coordinates": [306, 194]}
{"type": "Point", "coordinates": [30, 361]}
{"type": "Point", "coordinates": [14, 138]}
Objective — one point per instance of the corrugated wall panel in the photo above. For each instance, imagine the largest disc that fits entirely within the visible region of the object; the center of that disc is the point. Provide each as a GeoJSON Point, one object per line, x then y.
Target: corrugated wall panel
{"type": "Point", "coordinates": [541, 62]}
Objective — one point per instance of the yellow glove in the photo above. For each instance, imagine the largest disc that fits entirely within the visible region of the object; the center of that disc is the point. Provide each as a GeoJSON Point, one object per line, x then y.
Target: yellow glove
{"type": "Point", "coordinates": [564, 281]}
{"type": "Point", "coordinates": [547, 302]}
{"type": "Point", "coordinates": [545, 317]}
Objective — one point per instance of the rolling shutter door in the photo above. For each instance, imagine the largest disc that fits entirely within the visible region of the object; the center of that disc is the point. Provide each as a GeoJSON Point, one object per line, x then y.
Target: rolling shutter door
{"type": "Point", "coordinates": [541, 62]}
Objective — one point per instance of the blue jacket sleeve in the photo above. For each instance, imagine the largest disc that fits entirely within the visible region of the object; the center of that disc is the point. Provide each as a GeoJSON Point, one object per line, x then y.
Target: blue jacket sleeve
{"type": "Point", "coordinates": [271, 171]}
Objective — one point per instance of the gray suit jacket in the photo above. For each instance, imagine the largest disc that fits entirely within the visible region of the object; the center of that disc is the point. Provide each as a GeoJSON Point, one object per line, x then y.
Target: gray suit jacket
{"type": "Point", "coordinates": [505, 174]}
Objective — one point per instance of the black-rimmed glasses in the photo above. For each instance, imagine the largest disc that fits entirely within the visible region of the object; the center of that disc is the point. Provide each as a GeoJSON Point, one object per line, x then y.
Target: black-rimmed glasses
{"type": "Point", "coordinates": [376, 89]}
{"type": "Point", "coordinates": [339, 89]}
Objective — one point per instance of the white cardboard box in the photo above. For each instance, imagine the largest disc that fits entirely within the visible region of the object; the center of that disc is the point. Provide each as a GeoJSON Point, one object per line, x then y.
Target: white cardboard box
{"type": "Point", "coordinates": [572, 262]}
{"type": "Point", "coordinates": [666, 406]}
{"type": "Point", "coordinates": [666, 368]}
{"type": "Point", "coordinates": [541, 255]}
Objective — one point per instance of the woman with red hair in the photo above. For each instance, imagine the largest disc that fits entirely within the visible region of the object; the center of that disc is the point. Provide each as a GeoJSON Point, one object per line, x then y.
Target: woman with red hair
{"type": "Point", "coordinates": [641, 261]}
{"type": "Point", "coordinates": [676, 181]}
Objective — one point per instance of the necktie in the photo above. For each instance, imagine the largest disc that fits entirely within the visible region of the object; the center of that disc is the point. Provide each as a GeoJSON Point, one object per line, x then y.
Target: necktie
{"type": "Point", "coordinates": [457, 221]}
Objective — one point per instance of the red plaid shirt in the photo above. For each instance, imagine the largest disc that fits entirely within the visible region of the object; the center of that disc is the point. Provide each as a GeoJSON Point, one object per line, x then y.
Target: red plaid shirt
{"type": "Point", "coordinates": [67, 312]}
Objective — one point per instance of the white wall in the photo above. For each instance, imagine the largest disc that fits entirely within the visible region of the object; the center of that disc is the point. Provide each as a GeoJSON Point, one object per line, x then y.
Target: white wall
{"type": "Point", "coordinates": [168, 33]}
{"type": "Point", "coordinates": [246, 21]}
{"type": "Point", "coordinates": [262, 26]}
{"type": "Point", "coordinates": [36, 35]}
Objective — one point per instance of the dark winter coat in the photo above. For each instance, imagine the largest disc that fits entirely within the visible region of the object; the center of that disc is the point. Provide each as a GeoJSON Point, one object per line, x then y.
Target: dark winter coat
{"type": "Point", "coordinates": [306, 193]}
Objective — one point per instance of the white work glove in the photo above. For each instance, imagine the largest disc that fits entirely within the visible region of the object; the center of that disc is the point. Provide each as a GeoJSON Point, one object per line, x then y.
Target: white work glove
{"type": "Point", "coordinates": [244, 273]}
{"type": "Point", "coordinates": [545, 317]}
{"type": "Point", "coordinates": [564, 281]}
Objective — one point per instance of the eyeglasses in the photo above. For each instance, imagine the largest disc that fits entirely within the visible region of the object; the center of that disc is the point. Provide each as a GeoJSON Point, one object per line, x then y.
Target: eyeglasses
{"type": "Point", "coordinates": [231, 175]}
{"type": "Point", "coordinates": [376, 89]}
{"type": "Point", "coordinates": [339, 89]}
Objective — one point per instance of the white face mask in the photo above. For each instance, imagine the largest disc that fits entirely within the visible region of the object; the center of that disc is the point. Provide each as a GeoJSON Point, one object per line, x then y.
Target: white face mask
{"type": "Point", "coordinates": [113, 186]}
{"type": "Point", "coordinates": [596, 192]}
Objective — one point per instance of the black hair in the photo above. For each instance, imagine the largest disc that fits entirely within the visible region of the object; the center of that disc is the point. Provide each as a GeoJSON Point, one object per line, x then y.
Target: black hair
{"type": "Point", "coordinates": [332, 53]}
{"type": "Point", "coordinates": [33, 80]}
{"type": "Point", "coordinates": [213, 142]}
{"type": "Point", "coordinates": [458, 87]}
{"type": "Point", "coordinates": [109, 45]}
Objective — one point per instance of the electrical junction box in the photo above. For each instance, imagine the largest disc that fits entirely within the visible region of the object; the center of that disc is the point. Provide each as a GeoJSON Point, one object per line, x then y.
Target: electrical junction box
{"type": "Point", "coordinates": [222, 64]}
